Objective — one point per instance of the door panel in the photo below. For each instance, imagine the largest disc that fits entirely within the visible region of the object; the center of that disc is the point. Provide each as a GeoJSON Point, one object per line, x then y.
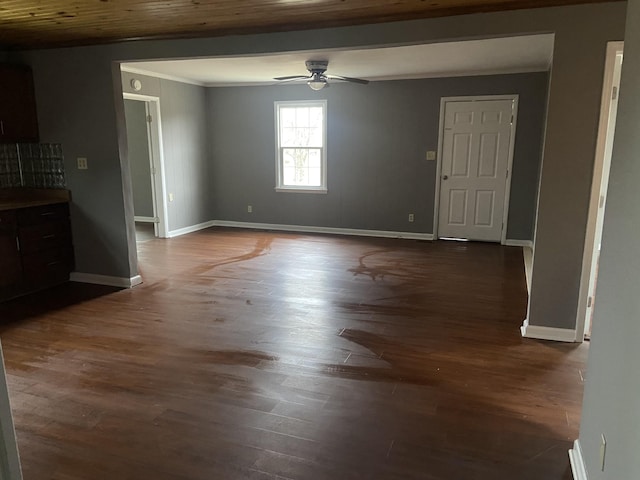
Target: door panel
{"type": "Point", "coordinates": [484, 208]}
{"type": "Point", "coordinates": [461, 155]}
{"type": "Point", "coordinates": [475, 159]}
{"type": "Point", "coordinates": [458, 207]}
{"type": "Point", "coordinates": [488, 161]}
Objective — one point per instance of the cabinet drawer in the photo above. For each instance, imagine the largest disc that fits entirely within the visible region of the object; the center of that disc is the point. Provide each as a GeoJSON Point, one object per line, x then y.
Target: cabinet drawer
{"type": "Point", "coordinates": [10, 272]}
{"type": "Point", "coordinates": [43, 214]}
{"type": "Point", "coordinates": [47, 268]}
{"type": "Point", "coordinates": [8, 247]}
{"type": "Point", "coordinates": [45, 236]}
{"type": "Point", "coordinates": [7, 219]}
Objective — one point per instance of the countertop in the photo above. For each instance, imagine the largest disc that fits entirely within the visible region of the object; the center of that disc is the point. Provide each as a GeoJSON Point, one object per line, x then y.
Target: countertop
{"type": "Point", "coordinates": [14, 198]}
{"type": "Point", "coordinates": [15, 204]}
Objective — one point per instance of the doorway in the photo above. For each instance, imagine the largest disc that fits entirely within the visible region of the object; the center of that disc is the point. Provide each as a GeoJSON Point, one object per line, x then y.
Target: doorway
{"type": "Point", "coordinates": [476, 143]}
{"type": "Point", "coordinates": [143, 125]}
{"type": "Point", "coordinates": [599, 186]}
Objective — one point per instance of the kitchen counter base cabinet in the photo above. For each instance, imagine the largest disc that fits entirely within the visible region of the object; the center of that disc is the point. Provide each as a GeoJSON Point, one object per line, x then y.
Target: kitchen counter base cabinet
{"type": "Point", "coordinates": [36, 251]}
{"type": "Point", "coordinates": [10, 259]}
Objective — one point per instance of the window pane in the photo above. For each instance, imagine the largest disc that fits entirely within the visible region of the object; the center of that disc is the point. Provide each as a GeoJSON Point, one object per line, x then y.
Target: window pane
{"type": "Point", "coordinates": [301, 167]}
{"type": "Point", "coordinates": [288, 175]}
{"type": "Point", "coordinates": [315, 137]}
{"type": "Point", "coordinates": [301, 143]}
{"type": "Point", "coordinates": [302, 117]}
{"type": "Point", "coordinates": [301, 127]}
{"type": "Point", "coordinates": [302, 137]}
{"type": "Point", "coordinates": [295, 166]}
{"type": "Point", "coordinates": [315, 177]}
{"type": "Point", "coordinates": [315, 117]}
{"type": "Point", "coordinates": [315, 159]}
{"type": "Point", "coordinates": [287, 117]}
{"type": "Point", "coordinates": [288, 159]}
{"type": "Point", "coordinates": [288, 137]}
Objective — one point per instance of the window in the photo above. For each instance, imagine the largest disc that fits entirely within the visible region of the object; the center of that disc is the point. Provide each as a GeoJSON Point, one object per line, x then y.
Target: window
{"type": "Point", "coordinates": [301, 146]}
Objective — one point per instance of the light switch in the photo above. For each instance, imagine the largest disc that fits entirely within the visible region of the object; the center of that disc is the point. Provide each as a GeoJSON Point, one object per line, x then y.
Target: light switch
{"type": "Point", "coordinates": [171, 197]}
{"type": "Point", "coordinates": [431, 155]}
{"type": "Point", "coordinates": [82, 163]}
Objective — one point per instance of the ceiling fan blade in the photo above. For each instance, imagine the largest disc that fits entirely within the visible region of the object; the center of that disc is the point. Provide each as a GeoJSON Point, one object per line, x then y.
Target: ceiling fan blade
{"type": "Point", "coordinates": [291, 77]}
{"type": "Point", "coordinates": [361, 81]}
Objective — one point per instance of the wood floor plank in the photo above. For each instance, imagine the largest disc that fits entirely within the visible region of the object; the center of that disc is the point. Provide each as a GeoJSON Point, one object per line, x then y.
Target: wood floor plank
{"type": "Point", "coordinates": [262, 355]}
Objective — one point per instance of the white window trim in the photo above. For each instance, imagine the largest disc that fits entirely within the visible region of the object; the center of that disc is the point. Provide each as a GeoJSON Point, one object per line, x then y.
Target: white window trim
{"type": "Point", "coordinates": [301, 189]}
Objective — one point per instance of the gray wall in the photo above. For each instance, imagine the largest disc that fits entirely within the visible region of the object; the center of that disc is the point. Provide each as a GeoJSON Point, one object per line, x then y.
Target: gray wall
{"type": "Point", "coordinates": [138, 148]}
{"type": "Point", "coordinates": [612, 391]}
{"type": "Point", "coordinates": [377, 140]}
{"type": "Point", "coordinates": [186, 154]}
{"type": "Point", "coordinates": [576, 86]}
{"type": "Point", "coordinates": [185, 144]}
{"type": "Point", "coordinates": [77, 92]}
{"type": "Point", "coordinates": [76, 97]}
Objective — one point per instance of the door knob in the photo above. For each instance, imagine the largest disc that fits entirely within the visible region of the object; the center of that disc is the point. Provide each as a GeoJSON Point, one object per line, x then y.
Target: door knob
{"type": "Point", "coordinates": [444, 177]}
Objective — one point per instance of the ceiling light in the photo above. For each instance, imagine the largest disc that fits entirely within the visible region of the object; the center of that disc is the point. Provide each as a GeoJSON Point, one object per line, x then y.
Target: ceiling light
{"type": "Point", "coordinates": [318, 82]}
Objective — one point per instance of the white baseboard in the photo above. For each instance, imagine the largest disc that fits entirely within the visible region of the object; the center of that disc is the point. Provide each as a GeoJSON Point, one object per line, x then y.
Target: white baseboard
{"type": "Point", "coordinates": [138, 218]}
{"type": "Point", "coordinates": [548, 333]}
{"type": "Point", "coordinates": [331, 230]}
{"type": "Point", "coordinates": [191, 229]}
{"type": "Point", "coordinates": [518, 243]}
{"type": "Point", "coordinates": [577, 462]}
{"type": "Point", "coordinates": [122, 282]}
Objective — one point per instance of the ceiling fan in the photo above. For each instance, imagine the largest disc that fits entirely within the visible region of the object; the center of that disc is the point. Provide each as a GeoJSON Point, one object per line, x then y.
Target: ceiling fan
{"type": "Point", "coordinates": [317, 79]}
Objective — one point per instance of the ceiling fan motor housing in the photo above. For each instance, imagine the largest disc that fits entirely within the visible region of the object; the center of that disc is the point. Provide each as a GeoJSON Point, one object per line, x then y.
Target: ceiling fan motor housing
{"type": "Point", "coordinates": [317, 66]}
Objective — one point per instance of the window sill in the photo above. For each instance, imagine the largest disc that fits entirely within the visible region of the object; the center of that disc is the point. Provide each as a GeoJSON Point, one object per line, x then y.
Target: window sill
{"type": "Point", "coordinates": [319, 190]}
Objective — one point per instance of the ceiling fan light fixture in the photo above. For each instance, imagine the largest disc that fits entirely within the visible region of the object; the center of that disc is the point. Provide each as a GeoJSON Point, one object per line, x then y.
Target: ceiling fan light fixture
{"type": "Point", "coordinates": [316, 84]}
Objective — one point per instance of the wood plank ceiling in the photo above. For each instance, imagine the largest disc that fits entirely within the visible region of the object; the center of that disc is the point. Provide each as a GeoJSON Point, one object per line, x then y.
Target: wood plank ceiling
{"type": "Point", "coordinates": [37, 23]}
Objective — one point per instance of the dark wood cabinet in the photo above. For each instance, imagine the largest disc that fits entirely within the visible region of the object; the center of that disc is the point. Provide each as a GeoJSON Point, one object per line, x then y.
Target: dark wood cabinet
{"type": "Point", "coordinates": [36, 251]}
{"type": "Point", "coordinates": [18, 117]}
{"type": "Point", "coordinates": [10, 259]}
{"type": "Point", "coordinates": [44, 235]}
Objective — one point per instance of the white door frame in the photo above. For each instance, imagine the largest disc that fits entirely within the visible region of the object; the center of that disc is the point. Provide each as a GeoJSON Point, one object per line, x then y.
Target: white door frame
{"type": "Point", "coordinates": [156, 154]}
{"type": "Point", "coordinates": [613, 49]}
{"type": "Point", "coordinates": [512, 139]}
{"type": "Point", "coordinates": [10, 468]}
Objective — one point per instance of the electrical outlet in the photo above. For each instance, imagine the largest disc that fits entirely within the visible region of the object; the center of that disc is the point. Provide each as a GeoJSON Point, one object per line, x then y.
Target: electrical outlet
{"type": "Point", "coordinates": [82, 163]}
{"type": "Point", "coordinates": [431, 155]}
{"type": "Point", "coordinates": [171, 197]}
{"type": "Point", "coordinates": [249, 209]}
{"type": "Point", "coordinates": [411, 217]}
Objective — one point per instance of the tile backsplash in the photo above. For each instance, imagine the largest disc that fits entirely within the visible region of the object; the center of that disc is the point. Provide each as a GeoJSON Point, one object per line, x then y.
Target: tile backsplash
{"type": "Point", "coordinates": [33, 165]}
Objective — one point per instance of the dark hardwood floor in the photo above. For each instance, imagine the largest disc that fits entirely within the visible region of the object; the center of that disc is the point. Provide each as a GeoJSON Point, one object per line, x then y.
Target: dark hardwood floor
{"type": "Point", "coordinates": [257, 355]}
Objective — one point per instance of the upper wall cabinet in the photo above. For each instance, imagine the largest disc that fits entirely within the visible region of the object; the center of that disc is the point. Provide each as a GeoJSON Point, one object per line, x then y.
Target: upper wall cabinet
{"type": "Point", "coordinates": [18, 118]}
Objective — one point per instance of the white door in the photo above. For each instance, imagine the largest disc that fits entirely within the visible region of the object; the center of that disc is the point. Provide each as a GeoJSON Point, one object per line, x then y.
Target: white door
{"type": "Point", "coordinates": [473, 175]}
{"type": "Point", "coordinates": [153, 126]}
{"type": "Point", "coordinates": [140, 150]}
{"type": "Point", "coordinates": [604, 185]}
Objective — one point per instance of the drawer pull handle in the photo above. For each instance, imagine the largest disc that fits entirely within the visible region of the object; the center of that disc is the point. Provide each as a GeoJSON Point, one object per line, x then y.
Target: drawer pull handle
{"type": "Point", "coordinates": [50, 264]}
{"type": "Point", "coordinates": [49, 236]}
{"type": "Point", "coordinates": [45, 214]}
